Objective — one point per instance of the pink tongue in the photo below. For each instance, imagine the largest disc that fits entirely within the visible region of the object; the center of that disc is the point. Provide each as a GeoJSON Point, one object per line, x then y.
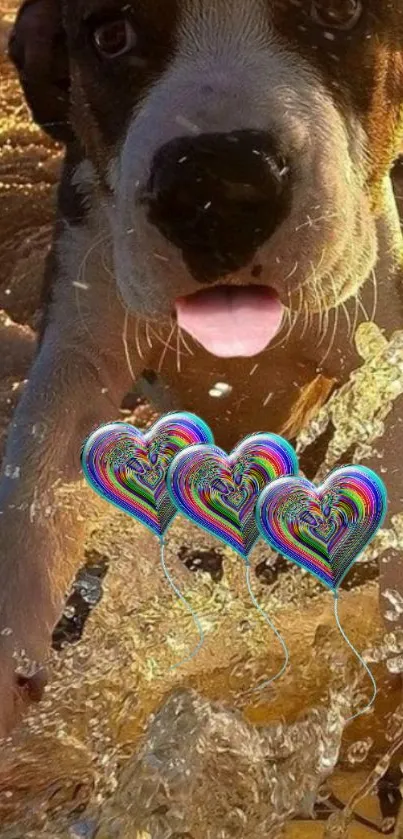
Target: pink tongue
{"type": "Point", "coordinates": [231, 321]}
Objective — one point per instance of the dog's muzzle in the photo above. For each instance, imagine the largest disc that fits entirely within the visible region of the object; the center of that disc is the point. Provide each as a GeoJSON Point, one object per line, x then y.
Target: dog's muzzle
{"type": "Point", "coordinates": [218, 197]}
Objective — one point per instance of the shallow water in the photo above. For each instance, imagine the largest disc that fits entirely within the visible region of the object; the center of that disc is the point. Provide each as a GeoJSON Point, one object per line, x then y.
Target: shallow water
{"type": "Point", "coordinates": [124, 747]}
{"type": "Point", "coordinates": [145, 751]}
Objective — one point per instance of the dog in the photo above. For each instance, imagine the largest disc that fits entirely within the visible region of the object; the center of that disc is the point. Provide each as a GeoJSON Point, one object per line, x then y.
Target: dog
{"type": "Point", "coordinates": [226, 180]}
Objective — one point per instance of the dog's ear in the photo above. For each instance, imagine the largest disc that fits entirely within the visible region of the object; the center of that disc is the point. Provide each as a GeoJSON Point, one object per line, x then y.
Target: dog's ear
{"type": "Point", "coordinates": [37, 47]}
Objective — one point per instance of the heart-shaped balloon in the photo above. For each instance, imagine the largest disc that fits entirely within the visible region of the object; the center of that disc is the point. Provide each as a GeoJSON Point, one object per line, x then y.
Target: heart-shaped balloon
{"type": "Point", "coordinates": [323, 529]}
{"type": "Point", "coordinates": [128, 467]}
{"type": "Point", "coordinates": [219, 491]}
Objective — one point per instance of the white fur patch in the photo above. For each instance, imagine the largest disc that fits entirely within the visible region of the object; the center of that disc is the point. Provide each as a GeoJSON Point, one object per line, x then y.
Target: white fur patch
{"type": "Point", "coordinates": [232, 72]}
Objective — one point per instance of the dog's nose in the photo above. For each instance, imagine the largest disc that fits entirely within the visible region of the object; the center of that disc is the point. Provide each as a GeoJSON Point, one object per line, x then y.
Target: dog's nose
{"type": "Point", "coordinates": [218, 197]}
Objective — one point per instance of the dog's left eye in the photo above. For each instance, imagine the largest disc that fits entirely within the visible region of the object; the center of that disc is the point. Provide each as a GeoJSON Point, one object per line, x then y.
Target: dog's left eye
{"type": "Point", "coordinates": [114, 38]}
{"type": "Point", "coordinates": [336, 14]}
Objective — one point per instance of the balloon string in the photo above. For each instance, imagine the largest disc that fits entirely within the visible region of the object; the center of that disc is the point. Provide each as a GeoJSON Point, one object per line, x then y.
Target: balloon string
{"type": "Point", "coordinates": [360, 659]}
{"type": "Point", "coordinates": [188, 606]}
{"type": "Point", "coordinates": [276, 632]}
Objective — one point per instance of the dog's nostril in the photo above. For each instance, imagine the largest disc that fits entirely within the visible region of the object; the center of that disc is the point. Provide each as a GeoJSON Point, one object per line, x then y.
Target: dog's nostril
{"type": "Point", "coordinates": [218, 197]}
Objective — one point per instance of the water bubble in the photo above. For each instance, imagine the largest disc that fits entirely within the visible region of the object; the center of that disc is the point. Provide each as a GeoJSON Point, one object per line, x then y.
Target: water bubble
{"type": "Point", "coordinates": [395, 728]}
{"type": "Point", "coordinates": [396, 599]}
{"type": "Point", "coordinates": [359, 750]}
{"type": "Point", "coordinates": [90, 589]}
{"type": "Point", "coordinates": [394, 641]}
{"type": "Point", "coordinates": [395, 665]}
{"type": "Point", "coordinates": [388, 824]}
{"type": "Point", "coordinates": [84, 829]}
{"type": "Point", "coordinates": [220, 389]}
{"type": "Point", "coordinates": [12, 472]}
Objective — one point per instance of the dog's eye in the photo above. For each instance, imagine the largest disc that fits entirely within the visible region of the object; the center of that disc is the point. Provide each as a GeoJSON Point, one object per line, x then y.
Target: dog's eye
{"type": "Point", "coordinates": [114, 38]}
{"type": "Point", "coordinates": [336, 14]}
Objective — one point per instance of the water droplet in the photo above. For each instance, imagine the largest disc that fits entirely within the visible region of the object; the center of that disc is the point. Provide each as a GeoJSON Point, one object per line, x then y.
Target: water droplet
{"type": "Point", "coordinates": [359, 750]}
{"type": "Point", "coordinates": [395, 665]}
{"type": "Point", "coordinates": [396, 599]}
{"type": "Point", "coordinates": [388, 824]}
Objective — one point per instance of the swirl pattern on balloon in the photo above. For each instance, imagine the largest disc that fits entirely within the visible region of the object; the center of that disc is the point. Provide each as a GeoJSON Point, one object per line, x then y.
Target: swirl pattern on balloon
{"type": "Point", "coordinates": [323, 529]}
{"type": "Point", "coordinates": [128, 467]}
{"type": "Point", "coordinates": [219, 491]}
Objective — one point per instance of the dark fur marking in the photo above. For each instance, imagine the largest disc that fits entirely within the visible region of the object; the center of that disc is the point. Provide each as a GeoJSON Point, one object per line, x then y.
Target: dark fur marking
{"type": "Point", "coordinates": [73, 203]}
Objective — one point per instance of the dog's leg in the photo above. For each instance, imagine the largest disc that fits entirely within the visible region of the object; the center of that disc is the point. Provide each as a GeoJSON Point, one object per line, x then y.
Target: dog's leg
{"type": "Point", "coordinates": [77, 383]}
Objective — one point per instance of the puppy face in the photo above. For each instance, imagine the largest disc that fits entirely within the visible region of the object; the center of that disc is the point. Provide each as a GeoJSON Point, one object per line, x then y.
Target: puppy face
{"type": "Point", "coordinates": [240, 149]}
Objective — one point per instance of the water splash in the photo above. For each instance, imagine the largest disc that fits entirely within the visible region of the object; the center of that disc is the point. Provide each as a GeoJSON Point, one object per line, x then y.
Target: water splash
{"type": "Point", "coordinates": [203, 770]}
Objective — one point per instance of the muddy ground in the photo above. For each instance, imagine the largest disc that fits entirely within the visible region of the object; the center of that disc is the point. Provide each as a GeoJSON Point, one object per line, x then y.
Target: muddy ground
{"type": "Point", "coordinates": [77, 766]}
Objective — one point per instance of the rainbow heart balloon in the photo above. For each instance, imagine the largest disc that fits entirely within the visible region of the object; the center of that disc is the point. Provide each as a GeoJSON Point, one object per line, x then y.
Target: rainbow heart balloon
{"type": "Point", "coordinates": [128, 467]}
{"type": "Point", "coordinates": [323, 529]}
{"type": "Point", "coordinates": [219, 491]}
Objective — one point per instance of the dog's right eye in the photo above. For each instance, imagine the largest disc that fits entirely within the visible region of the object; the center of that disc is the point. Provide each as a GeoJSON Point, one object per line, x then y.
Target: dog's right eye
{"type": "Point", "coordinates": [114, 38]}
{"type": "Point", "coordinates": [336, 14]}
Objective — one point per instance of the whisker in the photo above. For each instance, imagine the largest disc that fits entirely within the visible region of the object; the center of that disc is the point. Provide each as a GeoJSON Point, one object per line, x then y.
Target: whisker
{"type": "Point", "coordinates": [320, 311]}
{"type": "Point", "coordinates": [287, 313]}
{"type": "Point", "coordinates": [137, 337]}
{"type": "Point", "coordinates": [281, 339]}
{"type": "Point", "coordinates": [149, 342]}
{"type": "Point", "coordinates": [159, 338]}
{"type": "Point", "coordinates": [301, 301]}
{"type": "Point", "coordinates": [305, 322]}
{"type": "Point", "coordinates": [320, 293]}
{"type": "Point", "coordinates": [126, 346]}
{"type": "Point", "coordinates": [106, 266]}
{"type": "Point", "coordinates": [319, 300]}
{"type": "Point", "coordinates": [325, 320]}
{"type": "Point", "coordinates": [375, 300]}
{"type": "Point", "coordinates": [311, 221]}
{"type": "Point", "coordinates": [79, 284]}
{"type": "Point", "coordinates": [178, 355]}
{"type": "Point", "coordinates": [333, 335]}
{"type": "Point", "coordinates": [292, 326]}
{"type": "Point", "coordinates": [292, 321]}
{"type": "Point", "coordinates": [355, 321]}
{"type": "Point", "coordinates": [348, 319]}
{"type": "Point", "coordinates": [362, 307]}
{"type": "Point", "coordinates": [165, 350]}
{"type": "Point", "coordinates": [319, 265]}
{"type": "Point", "coordinates": [184, 342]}
{"type": "Point", "coordinates": [292, 272]}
